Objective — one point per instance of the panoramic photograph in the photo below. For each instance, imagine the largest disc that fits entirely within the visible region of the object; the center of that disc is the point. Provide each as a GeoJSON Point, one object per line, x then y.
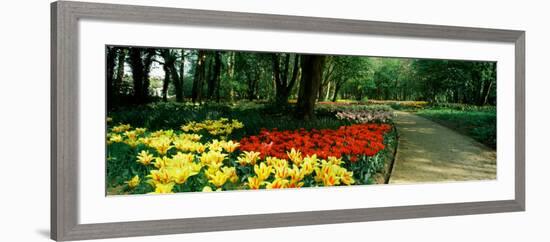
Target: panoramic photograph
{"type": "Point", "coordinates": [194, 120]}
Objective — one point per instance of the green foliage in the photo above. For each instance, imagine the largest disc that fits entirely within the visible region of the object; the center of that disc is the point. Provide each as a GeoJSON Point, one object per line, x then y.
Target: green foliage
{"type": "Point", "coordinates": [479, 124]}
{"type": "Point", "coordinates": [254, 115]}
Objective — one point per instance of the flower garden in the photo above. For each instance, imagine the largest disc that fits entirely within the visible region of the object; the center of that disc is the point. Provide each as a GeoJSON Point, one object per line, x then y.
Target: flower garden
{"type": "Point", "coordinates": [229, 148]}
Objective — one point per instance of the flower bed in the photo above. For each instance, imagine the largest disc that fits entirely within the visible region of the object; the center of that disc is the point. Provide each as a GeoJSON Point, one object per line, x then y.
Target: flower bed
{"type": "Point", "coordinates": [350, 141]}
{"type": "Point", "coordinates": [366, 116]}
{"type": "Point", "coordinates": [199, 158]}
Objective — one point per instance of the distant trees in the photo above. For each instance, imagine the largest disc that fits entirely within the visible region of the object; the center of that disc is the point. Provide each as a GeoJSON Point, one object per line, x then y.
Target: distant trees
{"type": "Point", "coordinates": [456, 81]}
{"type": "Point", "coordinates": [207, 75]}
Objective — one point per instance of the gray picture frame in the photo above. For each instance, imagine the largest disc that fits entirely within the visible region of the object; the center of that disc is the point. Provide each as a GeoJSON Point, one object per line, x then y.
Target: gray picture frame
{"type": "Point", "coordinates": [65, 112]}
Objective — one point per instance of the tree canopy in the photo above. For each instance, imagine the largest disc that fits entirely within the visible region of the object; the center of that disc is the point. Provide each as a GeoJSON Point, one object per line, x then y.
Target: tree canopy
{"type": "Point", "coordinates": [141, 75]}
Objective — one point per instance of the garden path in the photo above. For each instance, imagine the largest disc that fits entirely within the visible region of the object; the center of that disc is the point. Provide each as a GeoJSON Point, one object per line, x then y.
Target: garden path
{"type": "Point", "coordinates": [429, 152]}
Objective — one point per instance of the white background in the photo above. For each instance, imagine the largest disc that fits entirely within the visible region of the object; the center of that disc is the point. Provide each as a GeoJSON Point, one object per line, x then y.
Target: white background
{"type": "Point", "coordinates": [24, 100]}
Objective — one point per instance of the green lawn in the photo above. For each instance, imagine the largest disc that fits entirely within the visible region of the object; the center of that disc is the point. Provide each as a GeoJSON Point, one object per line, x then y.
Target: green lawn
{"type": "Point", "coordinates": [479, 124]}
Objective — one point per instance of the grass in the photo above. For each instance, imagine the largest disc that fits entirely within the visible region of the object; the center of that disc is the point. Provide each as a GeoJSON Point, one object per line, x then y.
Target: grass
{"type": "Point", "coordinates": [480, 124]}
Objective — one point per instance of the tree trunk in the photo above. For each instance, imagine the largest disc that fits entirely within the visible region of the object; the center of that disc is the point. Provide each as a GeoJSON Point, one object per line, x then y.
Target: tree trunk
{"type": "Point", "coordinates": [284, 84]}
{"type": "Point", "coordinates": [328, 91]}
{"type": "Point", "coordinates": [110, 72]}
{"type": "Point", "coordinates": [214, 81]}
{"type": "Point", "coordinates": [166, 81]}
{"type": "Point", "coordinates": [231, 73]}
{"type": "Point", "coordinates": [182, 74]}
{"type": "Point", "coordinates": [312, 70]}
{"type": "Point", "coordinates": [177, 80]}
{"type": "Point", "coordinates": [196, 92]}
{"type": "Point", "coordinates": [486, 93]}
{"type": "Point", "coordinates": [336, 90]}
{"type": "Point", "coordinates": [147, 62]}
{"type": "Point", "coordinates": [171, 74]}
{"type": "Point", "coordinates": [136, 64]}
{"type": "Point", "coordinates": [321, 93]}
{"type": "Point", "coordinates": [119, 71]}
{"type": "Point", "coordinates": [324, 87]}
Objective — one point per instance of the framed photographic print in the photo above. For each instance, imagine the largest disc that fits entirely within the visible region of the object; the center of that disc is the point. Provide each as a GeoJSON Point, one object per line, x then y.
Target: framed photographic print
{"type": "Point", "coordinates": [169, 120]}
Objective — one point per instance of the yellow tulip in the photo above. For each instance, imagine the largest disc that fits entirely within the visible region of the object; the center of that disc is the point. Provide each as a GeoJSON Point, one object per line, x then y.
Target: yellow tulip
{"type": "Point", "coordinates": [281, 172]}
{"type": "Point", "coordinates": [230, 146]}
{"type": "Point", "coordinates": [161, 144]}
{"type": "Point", "coordinates": [116, 138]}
{"type": "Point", "coordinates": [207, 189]}
{"type": "Point", "coordinates": [180, 175]}
{"type": "Point", "coordinates": [162, 162]}
{"type": "Point", "coordinates": [248, 158]}
{"type": "Point", "coordinates": [331, 180]}
{"type": "Point", "coordinates": [279, 163]}
{"type": "Point", "coordinates": [159, 176]}
{"type": "Point", "coordinates": [163, 188]}
{"type": "Point", "coordinates": [190, 137]}
{"type": "Point", "coordinates": [335, 161]}
{"type": "Point", "coordinates": [347, 178]}
{"type": "Point", "coordinates": [181, 160]}
{"type": "Point", "coordinates": [236, 124]}
{"type": "Point", "coordinates": [184, 145]}
{"type": "Point", "coordinates": [131, 142]}
{"type": "Point", "coordinates": [140, 130]}
{"type": "Point", "coordinates": [145, 140]}
{"type": "Point", "coordinates": [296, 175]}
{"type": "Point", "coordinates": [144, 157]}
{"type": "Point", "coordinates": [134, 182]}
{"type": "Point", "coordinates": [212, 157]}
{"type": "Point", "coordinates": [262, 171]}
{"type": "Point", "coordinates": [211, 170]}
{"type": "Point", "coordinates": [121, 128]}
{"type": "Point", "coordinates": [199, 147]}
{"type": "Point", "coordinates": [218, 179]}
{"type": "Point", "coordinates": [327, 174]}
{"type": "Point", "coordinates": [195, 167]}
{"type": "Point", "coordinates": [308, 167]}
{"type": "Point", "coordinates": [254, 182]}
{"type": "Point", "coordinates": [131, 134]}
{"type": "Point", "coordinates": [231, 172]}
{"type": "Point", "coordinates": [292, 184]}
{"type": "Point", "coordinates": [277, 184]}
{"type": "Point", "coordinates": [215, 145]}
{"type": "Point", "coordinates": [295, 156]}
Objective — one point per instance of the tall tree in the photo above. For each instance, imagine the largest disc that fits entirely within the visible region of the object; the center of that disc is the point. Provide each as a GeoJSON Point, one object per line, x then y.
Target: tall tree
{"type": "Point", "coordinates": [312, 71]}
{"type": "Point", "coordinates": [283, 76]}
{"type": "Point", "coordinates": [182, 71]}
{"type": "Point", "coordinates": [119, 70]}
{"type": "Point", "coordinates": [214, 80]}
{"type": "Point", "coordinates": [140, 61]}
{"type": "Point", "coordinates": [110, 71]}
{"type": "Point", "coordinates": [324, 87]}
{"type": "Point", "coordinates": [167, 79]}
{"type": "Point", "coordinates": [347, 68]}
{"type": "Point", "coordinates": [171, 74]}
{"type": "Point", "coordinates": [198, 80]}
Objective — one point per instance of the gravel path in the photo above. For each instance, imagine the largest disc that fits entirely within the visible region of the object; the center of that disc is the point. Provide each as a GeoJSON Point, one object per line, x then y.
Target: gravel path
{"type": "Point", "coordinates": [429, 152]}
